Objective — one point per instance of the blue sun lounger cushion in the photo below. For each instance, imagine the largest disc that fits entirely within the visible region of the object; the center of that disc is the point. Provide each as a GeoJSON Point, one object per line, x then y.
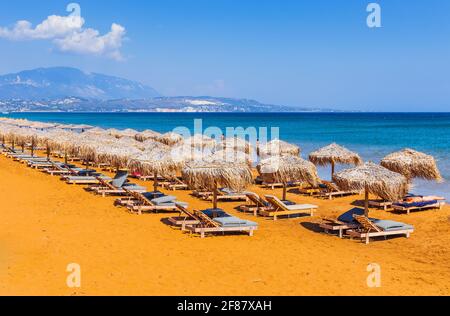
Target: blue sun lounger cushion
{"type": "Point", "coordinates": [153, 195]}
{"type": "Point", "coordinates": [164, 199]}
{"type": "Point", "coordinates": [133, 187]}
{"type": "Point", "coordinates": [174, 204]}
{"type": "Point", "coordinates": [87, 178]}
{"type": "Point", "coordinates": [347, 217]}
{"type": "Point", "coordinates": [120, 179]}
{"type": "Point", "coordinates": [86, 172]}
{"type": "Point", "coordinates": [226, 191]}
{"type": "Point", "coordinates": [232, 221]}
{"type": "Point", "coordinates": [212, 213]}
{"type": "Point", "coordinates": [416, 204]}
{"type": "Point", "coordinates": [391, 225]}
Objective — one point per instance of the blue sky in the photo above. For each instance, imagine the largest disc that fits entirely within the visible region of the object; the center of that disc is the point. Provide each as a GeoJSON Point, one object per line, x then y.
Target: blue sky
{"type": "Point", "coordinates": [300, 53]}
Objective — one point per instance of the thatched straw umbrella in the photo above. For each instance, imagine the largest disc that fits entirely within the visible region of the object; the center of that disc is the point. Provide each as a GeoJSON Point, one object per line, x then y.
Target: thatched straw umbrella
{"type": "Point", "coordinates": [375, 179]}
{"type": "Point", "coordinates": [230, 156]}
{"type": "Point", "coordinates": [209, 176]}
{"type": "Point", "coordinates": [284, 169]}
{"type": "Point", "coordinates": [96, 131]}
{"type": "Point", "coordinates": [412, 164]}
{"type": "Point", "coordinates": [156, 162]}
{"type": "Point", "coordinates": [333, 154]}
{"type": "Point", "coordinates": [200, 141]}
{"type": "Point", "coordinates": [170, 138]}
{"type": "Point", "coordinates": [147, 134]}
{"type": "Point", "coordinates": [236, 144]}
{"type": "Point", "coordinates": [278, 147]}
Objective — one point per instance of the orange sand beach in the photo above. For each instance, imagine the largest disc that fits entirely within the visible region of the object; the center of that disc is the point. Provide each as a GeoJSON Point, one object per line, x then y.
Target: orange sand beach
{"type": "Point", "coordinates": [46, 225]}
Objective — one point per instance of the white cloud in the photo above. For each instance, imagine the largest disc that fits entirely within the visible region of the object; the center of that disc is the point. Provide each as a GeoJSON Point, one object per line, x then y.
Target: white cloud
{"type": "Point", "coordinates": [68, 34]}
{"type": "Point", "coordinates": [89, 41]}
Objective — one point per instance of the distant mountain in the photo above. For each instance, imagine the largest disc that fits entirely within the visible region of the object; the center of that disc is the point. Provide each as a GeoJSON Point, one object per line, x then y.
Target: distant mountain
{"type": "Point", "coordinates": [62, 82]}
{"type": "Point", "coordinates": [63, 89]}
{"type": "Point", "coordinates": [158, 104]}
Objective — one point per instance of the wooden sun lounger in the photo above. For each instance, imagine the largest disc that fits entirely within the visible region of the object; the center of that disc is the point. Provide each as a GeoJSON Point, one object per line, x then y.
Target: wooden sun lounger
{"type": "Point", "coordinates": [207, 225]}
{"type": "Point", "coordinates": [381, 204]}
{"type": "Point", "coordinates": [84, 180]}
{"type": "Point", "coordinates": [436, 206]}
{"type": "Point", "coordinates": [174, 185]}
{"type": "Point", "coordinates": [256, 206]}
{"type": "Point", "coordinates": [222, 196]}
{"type": "Point", "coordinates": [56, 169]}
{"type": "Point", "coordinates": [201, 194]}
{"type": "Point", "coordinates": [145, 205]}
{"type": "Point", "coordinates": [272, 186]}
{"type": "Point", "coordinates": [280, 209]}
{"type": "Point", "coordinates": [309, 191]}
{"type": "Point", "coordinates": [334, 225]}
{"type": "Point", "coordinates": [368, 229]}
{"type": "Point", "coordinates": [182, 221]}
{"type": "Point", "coordinates": [40, 165]}
{"type": "Point", "coordinates": [107, 188]}
{"type": "Point", "coordinates": [333, 191]}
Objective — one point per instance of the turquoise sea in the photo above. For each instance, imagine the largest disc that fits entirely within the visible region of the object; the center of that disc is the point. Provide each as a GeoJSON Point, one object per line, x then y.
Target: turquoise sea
{"type": "Point", "coordinates": [372, 135]}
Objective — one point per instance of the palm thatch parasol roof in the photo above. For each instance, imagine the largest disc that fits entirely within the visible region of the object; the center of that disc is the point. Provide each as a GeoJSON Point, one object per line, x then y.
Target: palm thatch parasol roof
{"type": "Point", "coordinates": [412, 164]}
{"type": "Point", "coordinates": [170, 138]}
{"type": "Point", "coordinates": [97, 131]}
{"type": "Point", "coordinates": [234, 143]}
{"type": "Point", "coordinates": [285, 169]}
{"type": "Point", "coordinates": [156, 162]}
{"type": "Point", "coordinates": [333, 154]}
{"type": "Point", "coordinates": [230, 156]}
{"type": "Point", "coordinates": [147, 134]}
{"type": "Point", "coordinates": [131, 133]}
{"type": "Point", "coordinates": [278, 147]}
{"type": "Point", "coordinates": [374, 179]}
{"type": "Point", "coordinates": [207, 176]}
{"type": "Point", "coordinates": [200, 141]}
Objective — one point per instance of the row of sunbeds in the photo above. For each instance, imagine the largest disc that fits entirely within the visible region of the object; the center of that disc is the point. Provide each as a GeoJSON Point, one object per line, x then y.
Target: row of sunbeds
{"type": "Point", "coordinates": [135, 198]}
{"type": "Point", "coordinates": [355, 224]}
{"type": "Point", "coordinates": [410, 203]}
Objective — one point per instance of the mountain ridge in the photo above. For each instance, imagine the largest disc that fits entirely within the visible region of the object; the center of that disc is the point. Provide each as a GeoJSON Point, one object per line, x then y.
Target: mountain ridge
{"type": "Point", "coordinates": [67, 89]}
{"type": "Point", "coordinates": [61, 82]}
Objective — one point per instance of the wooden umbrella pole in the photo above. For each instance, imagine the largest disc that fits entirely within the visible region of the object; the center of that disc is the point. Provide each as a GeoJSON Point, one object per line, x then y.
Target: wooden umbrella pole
{"type": "Point", "coordinates": [366, 201]}
{"type": "Point", "coordinates": [155, 181]}
{"type": "Point", "coordinates": [12, 145]}
{"type": "Point", "coordinates": [284, 191]}
{"type": "Point", "coordinates": [48, 152]}
{"type": "Point", "coordinates": [32, 147]}
{"type": "Point", "coordinates": [215, 195]}
{"type": "Point", "coordinates": [65, 158]}
{"type": "Point", "coordinates": [332, 170]}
